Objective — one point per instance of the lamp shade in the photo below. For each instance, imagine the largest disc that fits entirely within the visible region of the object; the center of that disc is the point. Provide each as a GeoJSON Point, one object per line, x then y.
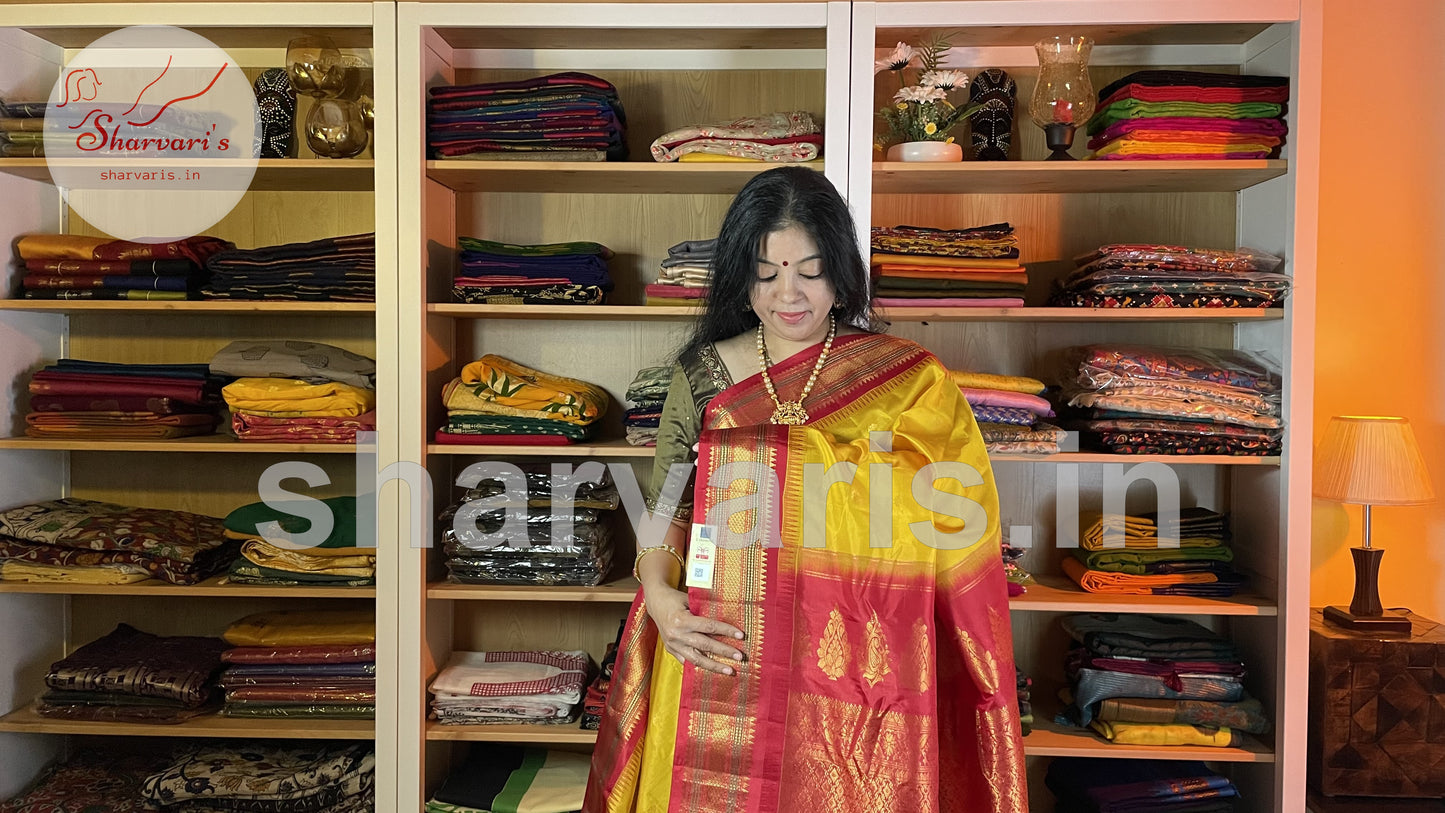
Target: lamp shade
{"type": "Point", "coordinates": [1371, 460]}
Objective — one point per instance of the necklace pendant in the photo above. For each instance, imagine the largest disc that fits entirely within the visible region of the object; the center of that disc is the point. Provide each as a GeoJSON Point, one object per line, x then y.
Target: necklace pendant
{"type": "Point", "coordinates": [790, 413]}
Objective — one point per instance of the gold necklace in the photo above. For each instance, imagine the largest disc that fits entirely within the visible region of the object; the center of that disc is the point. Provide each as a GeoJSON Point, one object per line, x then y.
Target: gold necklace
{"type": "Point", "coordinates": [791, 413]}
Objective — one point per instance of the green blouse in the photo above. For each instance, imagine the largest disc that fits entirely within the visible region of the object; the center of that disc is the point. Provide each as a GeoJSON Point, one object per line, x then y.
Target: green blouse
{"type": "Point", "coordinates": [696, 379]}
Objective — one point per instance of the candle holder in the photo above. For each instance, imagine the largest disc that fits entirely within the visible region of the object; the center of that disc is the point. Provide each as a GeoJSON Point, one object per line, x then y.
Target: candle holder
{"type": "Point", "coordinates": [1063, 98]}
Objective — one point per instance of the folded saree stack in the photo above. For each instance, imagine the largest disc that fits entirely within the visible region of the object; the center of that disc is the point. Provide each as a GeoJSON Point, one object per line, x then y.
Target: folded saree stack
{"type": "Point", "coordinates": [281, 560]}
{"type": "Point", "coordinates": [1189, 115]}
{"type": "Point", "coordinates": [496, 777]}
{"type": "Point", "coordinates": [92, 778]}
{"type": "Point", "coordinates": [134, 677]}
{"type": "Point", "coordinates": [569, 116]}
{"type": "Point", "coordinates": [492, 273]}
{"type": "Point", "coordinates": [22, 129]}
{"type": "Point", "coordinates": [289, 391]}
{"type": "Point", "coordinates": [947, 268]}
{"type": "Point", "coordinates": [1132, 555]}
{"type": "Point", "coordinates": [266, 777]}
{"type": "Point", "coordinates": [685, 274]}
{"type": "Point", "coordinates": [336, 269]}
{"type": "Point", "coordinates": [1160, 400]}
{"type": "Point", "coordinates": [481, 688]}
{"type": "Point", "coordinates": [315, 663]}
{"type": "Point", "coordinates": [72, 266]}
{"type": "Point", "coordinates": [1161, 276]}
{"type": "Point", "coordinates": [90, 542]}
{"type": "Point", "coordinates": [1010, 411]}
{"type": "Point", "coordinates": [1092, 785]}
{"type": "Point", "coordinates": [1156, 680]}
{"type": "Point", "coordinates": [647, 392]}
{"type": "Point", "coordinates": [594, 702]}
{"type": "Point", "coordinates": [1014, 573]}
{"type": "Point", "coordinates": [1024, 684]}
{"type": "Point", "coordinates": [97, 400]}
{"type": "Point", "coordinates": [498, 401]}
{"type": "Point", "coordinates": [787, 137]}
{"type": "Point", "coordinates": [527, 539]}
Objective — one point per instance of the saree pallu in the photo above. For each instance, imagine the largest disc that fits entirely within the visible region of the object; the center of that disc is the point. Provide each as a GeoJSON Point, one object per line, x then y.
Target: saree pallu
{"type": "Point", "coordinates": [877, 678]}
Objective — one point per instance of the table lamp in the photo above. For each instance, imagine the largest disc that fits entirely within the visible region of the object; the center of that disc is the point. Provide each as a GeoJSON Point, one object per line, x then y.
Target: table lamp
{"type": "Point", "coordinates": [1369, 461]}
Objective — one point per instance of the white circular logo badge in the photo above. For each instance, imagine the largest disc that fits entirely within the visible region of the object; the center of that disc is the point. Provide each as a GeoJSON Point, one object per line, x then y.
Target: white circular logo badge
{"type": "Point", "coordinates": [152, 134]}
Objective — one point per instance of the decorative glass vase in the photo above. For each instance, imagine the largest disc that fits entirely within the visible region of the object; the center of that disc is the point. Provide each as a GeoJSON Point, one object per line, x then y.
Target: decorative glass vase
{"type": "Point", "coordinates": [335, 128]}
{"type": "Point", "coordinates": [940, 151]}
{"type": "Point", "coordinates": [1063, 98]}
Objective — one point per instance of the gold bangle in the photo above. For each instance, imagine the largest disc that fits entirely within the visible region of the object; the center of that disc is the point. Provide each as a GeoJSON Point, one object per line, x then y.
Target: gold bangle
{"type": "Point", "coordinates": [670, 549]}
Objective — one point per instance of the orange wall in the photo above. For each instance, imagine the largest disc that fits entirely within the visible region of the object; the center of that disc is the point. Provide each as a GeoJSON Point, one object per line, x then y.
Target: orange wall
{"type": "Point", "coordinates": [1380, 346]}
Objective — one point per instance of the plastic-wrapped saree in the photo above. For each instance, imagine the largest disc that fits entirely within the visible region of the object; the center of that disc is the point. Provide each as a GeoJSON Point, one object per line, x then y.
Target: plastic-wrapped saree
{"type": "Point", "coordinates": [878, 677]}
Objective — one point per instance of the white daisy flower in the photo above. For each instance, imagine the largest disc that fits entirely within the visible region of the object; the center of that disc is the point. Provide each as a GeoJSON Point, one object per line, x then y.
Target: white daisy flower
{"type": "Point", "coordinates": [920, 95]}
{"type": "Point", "coordinates": [945, 80]}
{"type": "Point", "coordinates": [901, 57]}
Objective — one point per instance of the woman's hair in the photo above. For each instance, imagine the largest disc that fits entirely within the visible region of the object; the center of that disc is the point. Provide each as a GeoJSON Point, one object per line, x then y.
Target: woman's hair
{"type": "Point", "coordinates": [773, 201]}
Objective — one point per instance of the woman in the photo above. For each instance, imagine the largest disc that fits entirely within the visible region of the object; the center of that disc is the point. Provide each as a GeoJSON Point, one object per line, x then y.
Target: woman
{"type": "Point", "coordinates": [825, 657]}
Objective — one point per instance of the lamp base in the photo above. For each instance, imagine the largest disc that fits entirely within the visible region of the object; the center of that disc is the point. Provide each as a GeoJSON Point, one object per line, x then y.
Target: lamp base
{"type": "Point", "coordinates": [1387, 623]}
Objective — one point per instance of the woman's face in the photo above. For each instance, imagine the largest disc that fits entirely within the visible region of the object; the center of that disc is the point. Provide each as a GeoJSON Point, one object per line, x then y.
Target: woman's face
{"type": "Point", "coordinates": [791, 296]}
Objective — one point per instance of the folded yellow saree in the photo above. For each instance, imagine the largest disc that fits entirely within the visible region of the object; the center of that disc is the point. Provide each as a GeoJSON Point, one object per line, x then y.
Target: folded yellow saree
{"type": "Point", "coordinates": [303, 628]}
{"type": "Point", "coordinates": [989, 381]}
{"type": "Point", "coordinates": [293, 398]}
{"type": "Point", "coordinates": [1138, 532]}
{"type": "Point", "coordinates": [1165, 734]}
{"type": "Point", "coordinates": [267, 555]}
{"type": "Point", "coordinates": [494, 385]}
{"type": "Point", "coordinates": [16, 571]}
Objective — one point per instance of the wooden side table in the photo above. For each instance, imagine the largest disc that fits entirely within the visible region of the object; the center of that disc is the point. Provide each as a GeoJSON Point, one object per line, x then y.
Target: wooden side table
{"type": "Point", "coordinates": [1377, 710]}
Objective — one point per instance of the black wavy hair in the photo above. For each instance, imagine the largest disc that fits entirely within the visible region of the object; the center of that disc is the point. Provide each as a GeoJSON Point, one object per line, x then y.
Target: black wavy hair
{"type": "Point", "coordinates": [772, 201]}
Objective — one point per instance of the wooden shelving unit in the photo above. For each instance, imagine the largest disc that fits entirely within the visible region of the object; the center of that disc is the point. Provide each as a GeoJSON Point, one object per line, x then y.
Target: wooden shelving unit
{"type": "Point", "coordinates": [27, 721]}
{"type": "Point", "coordinates": [1065, 177]}
{"type": "Point", "coordinates": [619, 592]}
{"type": "Point", "coordinates": [212, 306]}
{"type": "Point", "coordinates": [214, 587]}
{"type": "Point", "coordinates": [272, 174]}
{"type": "Point", "coordinates": [603, 177]}
{"type": "Point", "coordinates": [205, 444]}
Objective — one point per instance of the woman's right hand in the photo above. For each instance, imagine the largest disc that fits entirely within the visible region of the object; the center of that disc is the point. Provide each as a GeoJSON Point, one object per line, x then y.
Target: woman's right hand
{"type": "Point", "coordinates": [689, 638]}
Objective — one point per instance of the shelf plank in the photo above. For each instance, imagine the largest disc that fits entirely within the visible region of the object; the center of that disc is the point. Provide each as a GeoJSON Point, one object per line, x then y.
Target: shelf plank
{"type": "Point", "coordinates": [1047, 740]}
{"type": "Point", "coordinates": [27, 721]}
{"type": "Point", "coordinates": [1168, 459]}
{"type": "Point", "coordinates": [589, 313]}
{"type": "Point", "coordinates": [206, 306]}
{"type": "Point", "coordinates": [1051, 740]}
{"type": "Point", "coordinates": [1058, 177]}
{"type": "Point", "coordinates": [602, 177]}
{"type": "Point", "coordinates": [634, 313]}
{"type": "Point", "coordinates": [619, 592]}
{"type": "Point", "coordinates": [1058, 594]}
{"type": "Point", "coordinates": [272, 174]}
{"type": "Point", "coordinates": [198, 443]}
{"type": "Point", "coordinates": [634, 39]}
{"type": "Point", "coordinates": [550, 734]}
{"type": "Point", "coordinates": [1104, 35]}
{"type": "Point", "coordinates": [1041, 314]}
{"type": "Point", "coordinates": [211, 588]}
{"type": "Point", "coordinates": [605, 448]}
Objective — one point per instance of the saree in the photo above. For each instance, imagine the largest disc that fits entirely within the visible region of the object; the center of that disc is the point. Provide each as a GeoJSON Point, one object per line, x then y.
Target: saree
{"type": "Point", "coordinates": [877, 678]}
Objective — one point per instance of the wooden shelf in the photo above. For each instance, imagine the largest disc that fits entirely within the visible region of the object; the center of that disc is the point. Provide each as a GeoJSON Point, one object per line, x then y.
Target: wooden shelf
{"type": "Point", "coordinates": [27, 721]}
{"type": "Point", "coordinates": [1168, 459]}
{"type": "Point", "coordinates": [1132, 315]}
{"type": "Point", "coordinates": [212, 588]}
{"type": "Point", "coordinates": [605, 448]}
{"type": "Point", "coordinates": [997, 36]}
{"type": "Point", "coordinates": [1049, 739]}
{"type": "Point", "coordinates": [1058, 594]}
{"type": "Point", "coordinates": [198, 443]}
{"type": "Point", "coordinates": [272, 174]}
{"type": "Point", "coordinates": [205, 306]}
{"type": "Point", "coordinates": [634, 39]}
{"type": "Point", "coordinates": [602, 177]}
{"type": "Point", "coordinates": [553, 734]}
{"type": "Point", "coordinates": [1059, 177]}
{"type": "Point", "coordinates": [618, 592]}
{"type": "Point", "coordinates": [1046, 740]}
{"type": "Point", "coordinates": [591, 313]}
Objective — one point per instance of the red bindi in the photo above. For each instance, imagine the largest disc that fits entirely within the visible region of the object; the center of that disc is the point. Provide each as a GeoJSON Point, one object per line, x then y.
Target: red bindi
{"type": "Point", "coordinates": [785, 263]}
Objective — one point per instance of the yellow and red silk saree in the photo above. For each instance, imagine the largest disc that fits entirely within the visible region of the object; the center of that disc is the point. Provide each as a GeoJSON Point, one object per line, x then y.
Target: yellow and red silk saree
{"type": "Point", "coordinates": [878, 677]}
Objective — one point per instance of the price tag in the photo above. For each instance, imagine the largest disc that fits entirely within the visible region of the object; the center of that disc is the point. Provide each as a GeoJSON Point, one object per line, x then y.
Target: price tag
{"type": "Point", "coordinates": [701, 555]}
